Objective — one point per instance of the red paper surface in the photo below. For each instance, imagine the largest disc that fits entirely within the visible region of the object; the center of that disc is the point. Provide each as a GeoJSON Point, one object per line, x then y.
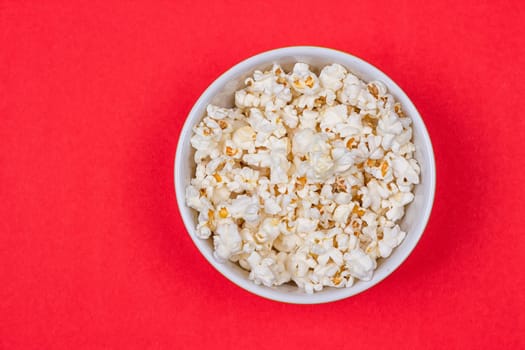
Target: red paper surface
{"type": "Point", "coordinates": [93, 253]}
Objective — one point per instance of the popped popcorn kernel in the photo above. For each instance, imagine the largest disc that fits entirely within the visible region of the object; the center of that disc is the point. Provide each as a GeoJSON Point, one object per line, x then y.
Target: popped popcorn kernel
{"type": "Point", "coordinates": [306, 178]}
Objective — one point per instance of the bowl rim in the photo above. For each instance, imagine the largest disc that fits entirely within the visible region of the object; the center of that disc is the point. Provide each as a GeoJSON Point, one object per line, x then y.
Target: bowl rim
{"type": "Point", "coordinates": [272, 293]}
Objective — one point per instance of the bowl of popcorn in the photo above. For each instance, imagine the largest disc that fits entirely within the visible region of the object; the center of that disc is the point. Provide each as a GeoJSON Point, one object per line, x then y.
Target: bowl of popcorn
{"type": "Point", "coordinates": [304, 175]}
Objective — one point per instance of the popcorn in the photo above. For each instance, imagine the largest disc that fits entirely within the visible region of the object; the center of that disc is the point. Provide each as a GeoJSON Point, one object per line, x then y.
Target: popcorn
{"type": "Point", "coordinates": [305, 179]}
{"type": "Point", "coordinates": [306, 226]}
{"type": "Point", "coordinates": [244, 207]}
{"type": "Point", "coordinates": [279, 162]}
{"type": "Point", "coordinates": [308, 120]}
{"type": "Point", "coordinates": [303, 80]}
{"type": "Point", "coordinates": [331, 76]}
{"type": "Point", "coordinates": [220, 194]}
{"type": "Point", "coordinates": [302, 141]}
{"type": "Point", "coordinates": [332, 116]}
{"type": "Point", "coordinates": [392, 237]}
{"type": "Point", "coordinates": [289, 115]}
{"type": "Point", "coordinates": [342, 212]}
{"type": "Point", "coordinates": [405, 171]}
{"type": "Point", "coordinates": [226, 240]}
{"type": "Point", "coordinates": [359, 264]}
{"type": "Point", "coordinates": [243, 138]}
{"type": "Point", "coordinates": [195, 200]}
{"type": "Point", "coordinates": [271, 206]}
{"type": "Point", "coordinates": [261, 273]}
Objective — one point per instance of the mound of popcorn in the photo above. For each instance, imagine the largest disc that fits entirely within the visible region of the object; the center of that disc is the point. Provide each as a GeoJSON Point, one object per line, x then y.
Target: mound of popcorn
{"type": "Point", "coordinates": [306, 178]}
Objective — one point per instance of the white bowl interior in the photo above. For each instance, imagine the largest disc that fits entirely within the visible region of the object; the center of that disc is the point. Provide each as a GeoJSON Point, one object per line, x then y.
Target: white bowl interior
{"type": "Point", "coordinates": [221, 93]}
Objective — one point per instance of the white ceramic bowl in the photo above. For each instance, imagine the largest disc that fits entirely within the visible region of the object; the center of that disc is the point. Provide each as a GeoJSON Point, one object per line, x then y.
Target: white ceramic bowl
{"type": "Point", "coordinates": [221, 92]}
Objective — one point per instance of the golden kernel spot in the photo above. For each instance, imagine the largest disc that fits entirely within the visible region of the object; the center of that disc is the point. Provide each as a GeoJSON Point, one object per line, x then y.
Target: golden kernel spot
{"type": "Point", "coordinates": [337, 280]}
{"type": "Point", "coordinates": [339, 184]}
{"type": "Point", "coordinates": [206, 132]}
{"type": "Point", "coordinates": [367, 178]}
{"type": "Point", "coordinates": [320, 101]}
{"type": "Point", "coordinates": [297, 82]}
{"type": "Point", "coordinates": [211, 214]}
{"type": "Point", "coordinates": [350, 143]}
{"type": "Point", "coordinates": [222, 124]}
{"type": "Point", "coordinates": [230, 151]}
{"type": "Point", "coordinates": [217, 177]}
{"type": "Point", "coordinates": [398, 110]}
{"type": "Point", "coordinates": [373, 90]}
{"type": "Point", "coordinates": [249, 82]}
{"type": "Point", "coordinates": [202, 191]}
{"type": "Point", "coordinates": [356, 210]}
{"type": "Point", "coordinates": [370, 121]}
{"type": "Point", "coordinates": [356, 233]}
{"type": "Point", "coordinates": [384, 168]}
{"type": "Point", "coordinates": [350, 109]}
{"type": "Point", "coordinates": [370, 162]}
{"type": "Point", "coordinates": [223, 213]}
{"type": "Point", "coordinates": [380, 235]}
{"type": "Point", "coordinates": [313, 255]}
{"type": "Point", "coordinates": [309, 81]}
{"type": "Point", "coordinates": [302, 180]}
{"type": "Point", "coordinates": [278, 71]}
{"type": "Point", "coordinates": [282, 80]}
{"type": "Point", "coordinates": [360, 166]}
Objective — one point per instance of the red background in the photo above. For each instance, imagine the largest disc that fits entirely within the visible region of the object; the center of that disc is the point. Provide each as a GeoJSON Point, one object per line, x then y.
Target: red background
{"type": "Point", "coordinates": [93, 253]}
